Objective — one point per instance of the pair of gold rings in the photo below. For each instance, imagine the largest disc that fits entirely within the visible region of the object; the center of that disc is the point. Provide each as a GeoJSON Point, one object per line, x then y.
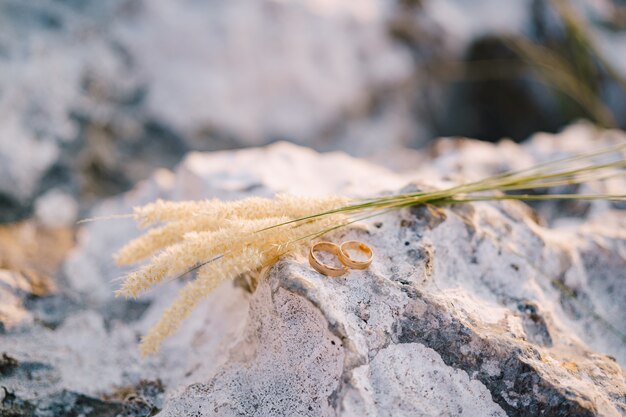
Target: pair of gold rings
{"type": "Point", "coordinates": [344, 257]}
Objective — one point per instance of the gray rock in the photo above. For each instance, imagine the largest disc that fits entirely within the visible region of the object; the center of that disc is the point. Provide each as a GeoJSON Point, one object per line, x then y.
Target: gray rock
{"type": "Point", "coordinates": [449, 320]}
{"type": "Point", "coordinates": [94, 95]}
{"type": "Point", "coordinates": [86, 89]}
{"type": "Point", "coordinates": [471, 310]}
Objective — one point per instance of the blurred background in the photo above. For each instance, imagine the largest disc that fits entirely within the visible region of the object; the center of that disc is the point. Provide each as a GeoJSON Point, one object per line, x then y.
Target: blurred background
{"type": "Point", "coordinates": [96, 95]}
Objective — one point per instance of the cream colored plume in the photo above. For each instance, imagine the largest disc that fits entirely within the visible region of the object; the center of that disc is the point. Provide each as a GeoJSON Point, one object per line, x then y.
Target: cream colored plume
{"type": "Point", "coordinates": [221, 240]}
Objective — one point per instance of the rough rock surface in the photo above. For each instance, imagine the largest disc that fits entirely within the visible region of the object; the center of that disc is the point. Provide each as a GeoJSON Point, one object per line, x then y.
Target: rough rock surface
{"type": "Point", "coordinates": [471, 310]}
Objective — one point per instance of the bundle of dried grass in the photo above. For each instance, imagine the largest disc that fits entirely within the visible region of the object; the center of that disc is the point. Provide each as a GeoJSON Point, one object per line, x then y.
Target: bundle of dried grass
{"type": "Point", "coordinates": [221, 240]}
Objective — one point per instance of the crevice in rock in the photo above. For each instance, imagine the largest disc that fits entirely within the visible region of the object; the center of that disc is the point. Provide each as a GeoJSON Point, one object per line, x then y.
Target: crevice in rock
{"type": "Point", "coordinates": [534, 323]}
{"type": "Point", "coordinates": [519, 388]}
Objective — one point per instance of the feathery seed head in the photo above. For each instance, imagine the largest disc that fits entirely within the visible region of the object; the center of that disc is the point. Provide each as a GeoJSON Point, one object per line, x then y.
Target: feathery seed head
{"type": "Point", "coordinates": [208, 279]}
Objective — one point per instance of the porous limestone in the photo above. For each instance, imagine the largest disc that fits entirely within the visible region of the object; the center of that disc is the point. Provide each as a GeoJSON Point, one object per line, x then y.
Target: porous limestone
{"type": "Point", "coordinates": [478, 309]}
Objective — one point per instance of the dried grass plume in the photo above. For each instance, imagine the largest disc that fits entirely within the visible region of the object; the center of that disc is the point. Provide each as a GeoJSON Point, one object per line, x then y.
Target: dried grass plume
{"type": "Point", "coordinates": [221, 240]}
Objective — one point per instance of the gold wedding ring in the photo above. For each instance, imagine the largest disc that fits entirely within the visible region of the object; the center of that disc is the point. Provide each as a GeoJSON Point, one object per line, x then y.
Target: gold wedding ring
{"type": "Point", "coordinates": [321, 267]}
{"type": "Point", "coordinates": [345, 259]}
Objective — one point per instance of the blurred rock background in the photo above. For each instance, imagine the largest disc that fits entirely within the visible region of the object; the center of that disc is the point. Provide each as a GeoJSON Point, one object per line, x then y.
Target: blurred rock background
{"type": "Point", "coordinates": [96, 95]}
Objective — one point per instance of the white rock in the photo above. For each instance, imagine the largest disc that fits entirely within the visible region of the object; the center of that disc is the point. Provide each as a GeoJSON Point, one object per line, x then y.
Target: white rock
{"type": "Point", "coordinates": [259, 70]}
{"type": "Point", "coordinates": [471, 310]}
{"type": "Point", "coordinates": [412, 380]}
{"type": "Point", "coordinates": [250, 71]}
{"type": "Point", "coordinates": [56, 208]}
